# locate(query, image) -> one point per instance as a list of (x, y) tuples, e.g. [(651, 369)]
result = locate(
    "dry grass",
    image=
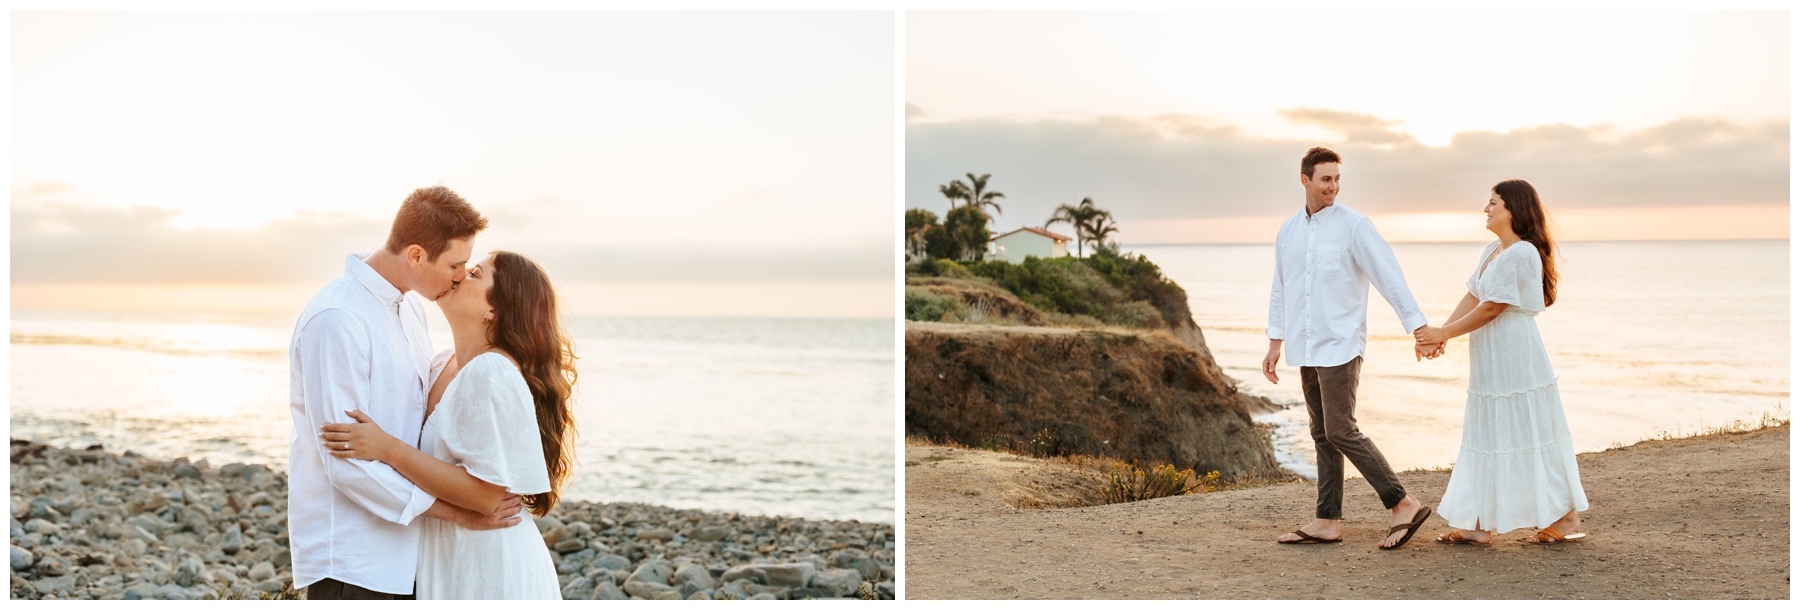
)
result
[(1768, 419), (1072, 481)]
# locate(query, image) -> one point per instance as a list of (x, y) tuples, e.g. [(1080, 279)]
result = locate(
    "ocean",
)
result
[(1646, 338), (790, 417)]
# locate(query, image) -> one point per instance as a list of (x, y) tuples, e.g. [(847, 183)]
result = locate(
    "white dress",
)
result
[(485, 422), (1516, 468)]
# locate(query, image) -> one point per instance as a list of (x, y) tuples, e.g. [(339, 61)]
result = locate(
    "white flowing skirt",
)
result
[(509, 563), (1517, 467)]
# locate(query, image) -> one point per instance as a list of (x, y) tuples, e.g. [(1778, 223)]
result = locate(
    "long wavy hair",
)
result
[(528, 328), (1532, 225)]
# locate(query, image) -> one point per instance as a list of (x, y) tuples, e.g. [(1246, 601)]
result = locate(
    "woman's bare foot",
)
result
[(1459, 536), (1569, 524)]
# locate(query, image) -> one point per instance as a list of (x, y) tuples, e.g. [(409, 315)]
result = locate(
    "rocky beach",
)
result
[(93, 524)]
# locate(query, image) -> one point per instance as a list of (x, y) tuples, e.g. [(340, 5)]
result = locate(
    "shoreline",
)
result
[(1704, 517), (89, 523), (279, 466)]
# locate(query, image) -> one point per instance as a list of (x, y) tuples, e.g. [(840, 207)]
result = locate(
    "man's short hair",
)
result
[(1315, 156), (431, 217)]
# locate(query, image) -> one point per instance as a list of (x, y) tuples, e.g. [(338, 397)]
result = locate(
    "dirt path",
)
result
[(1703, 518)]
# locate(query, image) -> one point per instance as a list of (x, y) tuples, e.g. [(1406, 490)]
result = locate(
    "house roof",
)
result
[(1042, 232)]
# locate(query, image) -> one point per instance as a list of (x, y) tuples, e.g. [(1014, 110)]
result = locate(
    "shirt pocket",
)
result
[(1331, 259)]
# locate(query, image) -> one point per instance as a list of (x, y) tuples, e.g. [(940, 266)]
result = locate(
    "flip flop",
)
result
[(1456, 537), (1549, 535), (1306, 538), (1411, 528)]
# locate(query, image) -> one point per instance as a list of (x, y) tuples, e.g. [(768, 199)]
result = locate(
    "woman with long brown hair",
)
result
[(1516, 467), (498, 424)]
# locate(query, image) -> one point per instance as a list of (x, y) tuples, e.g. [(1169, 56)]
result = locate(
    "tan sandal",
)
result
[(1456, 537), (1549, 535)]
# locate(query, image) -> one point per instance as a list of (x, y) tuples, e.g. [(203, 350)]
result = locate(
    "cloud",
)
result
[(1181, 166), (57, 238), (1356, 127)]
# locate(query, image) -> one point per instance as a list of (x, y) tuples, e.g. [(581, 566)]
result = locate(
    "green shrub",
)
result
[(1136, 314), (926, 306)]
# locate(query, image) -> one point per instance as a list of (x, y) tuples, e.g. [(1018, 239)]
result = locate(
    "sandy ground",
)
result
[(1700, 518)]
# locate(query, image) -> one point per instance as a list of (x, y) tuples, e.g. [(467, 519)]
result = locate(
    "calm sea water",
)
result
[(1645, 337), (759, 416)]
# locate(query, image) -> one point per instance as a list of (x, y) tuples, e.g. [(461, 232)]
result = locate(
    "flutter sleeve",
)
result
[(1502, 281), (494, 432)]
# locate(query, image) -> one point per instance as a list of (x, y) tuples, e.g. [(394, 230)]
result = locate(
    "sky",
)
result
[(705, 164), (1190, 126)]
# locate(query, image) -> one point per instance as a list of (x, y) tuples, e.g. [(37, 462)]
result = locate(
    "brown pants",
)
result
[(334, 589), (1331, 406)]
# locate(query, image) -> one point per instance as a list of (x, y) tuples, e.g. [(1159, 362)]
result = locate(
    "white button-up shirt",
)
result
[(360, 344), (1319, 303)]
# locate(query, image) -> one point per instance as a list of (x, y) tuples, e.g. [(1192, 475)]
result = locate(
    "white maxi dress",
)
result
[(1517, 467), (486, 423)]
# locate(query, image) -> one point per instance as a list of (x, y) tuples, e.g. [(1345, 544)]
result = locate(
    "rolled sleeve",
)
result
[(335, 370)]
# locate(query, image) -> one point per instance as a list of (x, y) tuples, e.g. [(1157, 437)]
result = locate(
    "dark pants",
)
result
[(1331, 405), (334, 589)]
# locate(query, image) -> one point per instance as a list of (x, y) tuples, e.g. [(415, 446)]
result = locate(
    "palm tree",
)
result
[(977, 195), (1077, 216), (955, 191), (1100, 227)]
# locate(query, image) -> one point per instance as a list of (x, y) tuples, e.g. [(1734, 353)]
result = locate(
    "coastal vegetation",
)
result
[(1118, 379), (1108, 288)]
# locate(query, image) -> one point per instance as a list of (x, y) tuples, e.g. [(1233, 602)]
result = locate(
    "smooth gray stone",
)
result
[(763, 597), (712, 533), (697, 575), (141, 590), (655, 533), (616, 563), (569, 546), (790, 575), (580, 588), (651, 590), (262, 571), (188, 572), (82, 516), (837, 582), (857, 560), (655, 571), (174, 591), (233, 540), (147, 523), (807, 593), (59, 587), (187, 471), (40, 526), (18, 529), (546, 524), (21, 559), (51, 566), (606, 590)]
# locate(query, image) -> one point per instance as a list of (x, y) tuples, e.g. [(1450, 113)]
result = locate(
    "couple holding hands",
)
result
[(1516, 468)]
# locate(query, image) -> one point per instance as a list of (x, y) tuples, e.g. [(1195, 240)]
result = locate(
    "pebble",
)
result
[(21, 559), (145, 529)]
